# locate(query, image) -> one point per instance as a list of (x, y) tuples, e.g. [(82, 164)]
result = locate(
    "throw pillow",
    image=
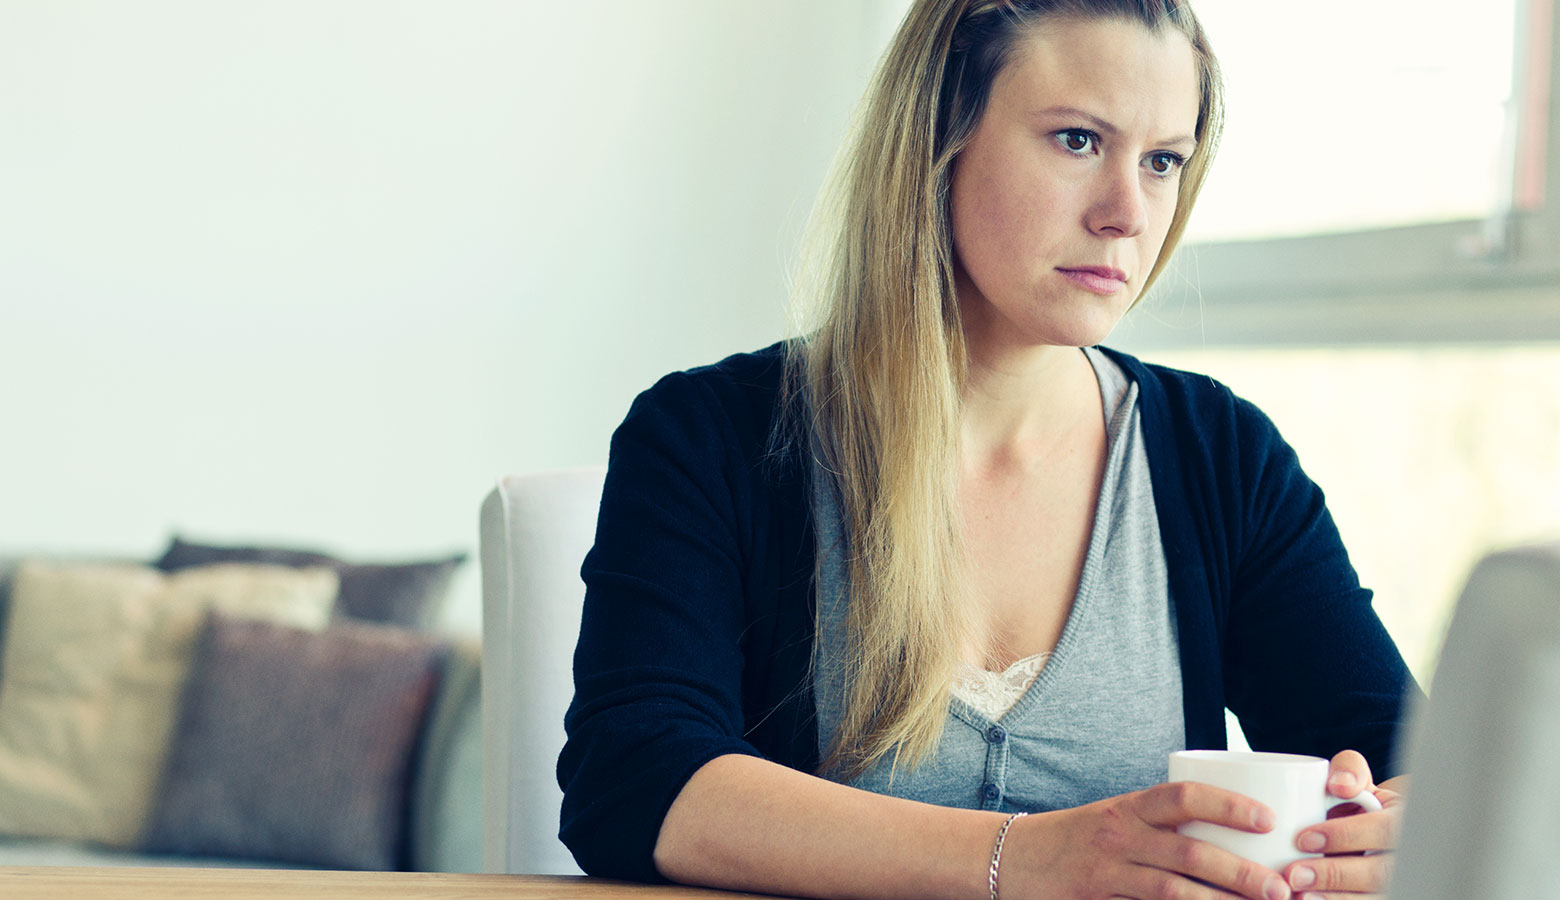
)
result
[(406, 594), (95, 660), (295, 746)]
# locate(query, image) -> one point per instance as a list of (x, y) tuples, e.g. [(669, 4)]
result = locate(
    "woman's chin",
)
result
[(1084, 333)]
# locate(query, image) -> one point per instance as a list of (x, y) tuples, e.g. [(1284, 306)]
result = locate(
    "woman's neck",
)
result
[(1022, 403)]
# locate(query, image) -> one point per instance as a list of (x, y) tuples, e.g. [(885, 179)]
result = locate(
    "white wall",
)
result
[(320, 272)]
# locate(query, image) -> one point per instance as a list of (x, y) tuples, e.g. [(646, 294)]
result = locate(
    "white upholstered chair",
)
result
[(1482, 818), (536, 530)]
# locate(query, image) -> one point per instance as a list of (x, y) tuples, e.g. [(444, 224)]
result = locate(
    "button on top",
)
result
[(995, 734), (990, 791)]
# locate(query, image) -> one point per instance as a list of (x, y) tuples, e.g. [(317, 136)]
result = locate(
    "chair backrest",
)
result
[(536, 530), (1482, 818)]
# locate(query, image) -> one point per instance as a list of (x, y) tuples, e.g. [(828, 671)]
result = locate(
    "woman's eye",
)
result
[(1165, 164), (1076, 141)]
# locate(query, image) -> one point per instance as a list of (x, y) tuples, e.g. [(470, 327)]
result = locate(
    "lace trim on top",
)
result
[(994, 693)]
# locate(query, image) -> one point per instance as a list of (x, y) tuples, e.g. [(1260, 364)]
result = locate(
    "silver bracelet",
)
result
[(996, 852)]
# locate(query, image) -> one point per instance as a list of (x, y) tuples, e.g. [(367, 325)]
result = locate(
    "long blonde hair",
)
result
[(881, 362)]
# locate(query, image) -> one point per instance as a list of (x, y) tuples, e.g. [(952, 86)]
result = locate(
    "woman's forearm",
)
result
[(743, 823)]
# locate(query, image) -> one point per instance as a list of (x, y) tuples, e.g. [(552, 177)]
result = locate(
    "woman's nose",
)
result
[(1118, 206)]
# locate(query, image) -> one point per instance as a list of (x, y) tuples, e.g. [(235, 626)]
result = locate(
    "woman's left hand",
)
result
[(1345, 873)]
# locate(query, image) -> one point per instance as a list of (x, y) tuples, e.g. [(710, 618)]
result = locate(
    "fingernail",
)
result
[(1344, 780), (1275, 889), (1262, 818), (1312, 841), (1301, 877)]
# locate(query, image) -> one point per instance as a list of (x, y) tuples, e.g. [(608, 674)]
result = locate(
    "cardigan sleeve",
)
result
[(1309, 667), (658, 667)]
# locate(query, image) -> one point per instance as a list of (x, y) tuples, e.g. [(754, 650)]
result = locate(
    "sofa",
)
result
[(237, 706)]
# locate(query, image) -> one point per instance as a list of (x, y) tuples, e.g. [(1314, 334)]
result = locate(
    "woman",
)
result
[(858, 600)]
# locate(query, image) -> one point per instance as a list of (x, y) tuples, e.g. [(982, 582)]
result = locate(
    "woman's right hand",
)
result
[(1127, 847)]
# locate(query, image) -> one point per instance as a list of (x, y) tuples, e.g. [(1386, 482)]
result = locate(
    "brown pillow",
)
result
[(406, 594), (297, 746)]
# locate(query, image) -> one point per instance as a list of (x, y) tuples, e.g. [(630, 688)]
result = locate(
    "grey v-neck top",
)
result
[(1104, 713)]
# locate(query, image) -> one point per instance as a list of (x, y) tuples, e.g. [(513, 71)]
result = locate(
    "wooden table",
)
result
[(136, 883)]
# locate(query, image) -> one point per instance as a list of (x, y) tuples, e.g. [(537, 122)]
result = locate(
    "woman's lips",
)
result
[(1100, 280)]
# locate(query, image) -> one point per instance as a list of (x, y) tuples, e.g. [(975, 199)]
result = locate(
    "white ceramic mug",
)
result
[(1293, 786)]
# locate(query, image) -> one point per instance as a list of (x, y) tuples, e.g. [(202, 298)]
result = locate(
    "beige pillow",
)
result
[(95, 661)]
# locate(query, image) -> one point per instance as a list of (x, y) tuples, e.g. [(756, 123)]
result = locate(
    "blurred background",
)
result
[(318, 273)]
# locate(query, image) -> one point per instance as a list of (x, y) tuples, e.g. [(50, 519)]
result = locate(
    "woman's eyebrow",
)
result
[(1106, 128)]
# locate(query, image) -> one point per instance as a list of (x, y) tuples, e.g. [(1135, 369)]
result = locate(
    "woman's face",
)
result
[(1061, 201)]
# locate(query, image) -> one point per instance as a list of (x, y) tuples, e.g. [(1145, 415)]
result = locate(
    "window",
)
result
[(1387, 180), (1364, 115)]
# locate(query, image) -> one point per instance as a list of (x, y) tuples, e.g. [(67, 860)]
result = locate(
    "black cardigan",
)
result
[(698, 620)]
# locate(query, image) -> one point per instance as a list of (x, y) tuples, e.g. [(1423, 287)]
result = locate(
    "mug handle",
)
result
[(1365, 799)]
